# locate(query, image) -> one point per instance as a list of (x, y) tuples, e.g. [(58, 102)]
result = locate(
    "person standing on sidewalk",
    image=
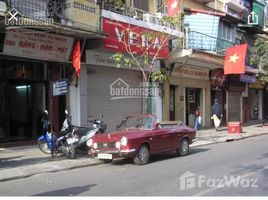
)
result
[(216, 114), (197, 123)]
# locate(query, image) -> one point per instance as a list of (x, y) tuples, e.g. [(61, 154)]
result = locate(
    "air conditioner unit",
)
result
[(149, 18), (168, 25), (3, 7), (159, 15)]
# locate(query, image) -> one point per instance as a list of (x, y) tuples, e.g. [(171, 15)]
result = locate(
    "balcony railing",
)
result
[(137, 14), (30, 8), (124, 10), (200, 41)]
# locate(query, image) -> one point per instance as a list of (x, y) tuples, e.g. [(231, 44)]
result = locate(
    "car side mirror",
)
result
[(157, 126)]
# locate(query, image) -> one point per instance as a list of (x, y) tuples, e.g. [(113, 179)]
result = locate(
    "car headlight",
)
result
[(89, 142), (95, 145), (123, 141), (117, 145)]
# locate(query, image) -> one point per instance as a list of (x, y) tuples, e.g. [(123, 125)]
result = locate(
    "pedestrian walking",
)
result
[(198, 118), (216, 114)]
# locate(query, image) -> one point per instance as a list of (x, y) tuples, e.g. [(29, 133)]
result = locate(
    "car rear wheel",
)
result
[(183, 149), (143, 155)]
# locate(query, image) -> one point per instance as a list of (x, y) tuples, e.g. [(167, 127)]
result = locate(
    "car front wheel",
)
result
[(183, 149), (142, 156)]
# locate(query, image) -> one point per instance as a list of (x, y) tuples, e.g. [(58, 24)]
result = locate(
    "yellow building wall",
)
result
[(152, 6), (181, 84)]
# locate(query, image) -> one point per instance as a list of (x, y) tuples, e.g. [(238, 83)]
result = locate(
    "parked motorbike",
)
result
[(85, 133), (49, 142)]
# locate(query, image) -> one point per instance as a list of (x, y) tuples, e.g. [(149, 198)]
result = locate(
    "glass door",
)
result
[(20, 110)]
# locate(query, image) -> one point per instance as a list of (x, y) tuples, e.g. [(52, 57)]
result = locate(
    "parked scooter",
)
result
[(85, 133), (50, 143)]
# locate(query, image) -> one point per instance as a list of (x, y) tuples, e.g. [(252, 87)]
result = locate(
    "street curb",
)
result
[(25, 171), (48, 167), (231, 140)]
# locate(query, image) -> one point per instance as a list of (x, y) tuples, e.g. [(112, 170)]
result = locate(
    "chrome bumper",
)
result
[(117, 153)]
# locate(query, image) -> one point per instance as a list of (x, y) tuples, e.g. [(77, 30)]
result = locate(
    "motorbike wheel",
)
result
[(44, 147), (70, 151)]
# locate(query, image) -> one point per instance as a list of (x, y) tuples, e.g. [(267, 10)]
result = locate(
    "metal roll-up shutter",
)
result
[(99, 94), (234, 106)]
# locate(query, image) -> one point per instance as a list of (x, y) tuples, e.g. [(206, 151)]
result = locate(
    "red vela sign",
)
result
[(120, 39)]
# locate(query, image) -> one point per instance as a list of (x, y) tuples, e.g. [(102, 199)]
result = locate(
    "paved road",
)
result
[(213, 165)]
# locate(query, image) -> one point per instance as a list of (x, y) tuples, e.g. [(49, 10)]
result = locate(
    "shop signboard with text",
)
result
[(39, 45), (191, 72), (125, 37)]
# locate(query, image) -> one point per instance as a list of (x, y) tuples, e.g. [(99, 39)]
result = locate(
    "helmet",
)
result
[(45, 112)]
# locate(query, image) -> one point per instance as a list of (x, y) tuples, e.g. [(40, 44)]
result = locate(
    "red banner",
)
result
[(217, 78), (125, 37)]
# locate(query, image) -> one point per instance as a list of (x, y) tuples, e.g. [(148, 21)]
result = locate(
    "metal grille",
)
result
[(106, 145), (30, 8)]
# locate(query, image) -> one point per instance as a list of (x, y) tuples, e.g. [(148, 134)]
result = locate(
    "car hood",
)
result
[(117, 135)]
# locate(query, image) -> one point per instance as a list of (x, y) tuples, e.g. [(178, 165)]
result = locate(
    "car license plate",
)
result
[(71, 140), (105, 156)]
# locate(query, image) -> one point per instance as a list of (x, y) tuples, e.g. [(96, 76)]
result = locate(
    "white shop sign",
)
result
[(36, 44), (105, 59)]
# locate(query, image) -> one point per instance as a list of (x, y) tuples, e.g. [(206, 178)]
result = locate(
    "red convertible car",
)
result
[(139, 137)]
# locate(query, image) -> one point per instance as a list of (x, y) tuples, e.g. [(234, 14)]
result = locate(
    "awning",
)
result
[(252, 29), (196, 58)]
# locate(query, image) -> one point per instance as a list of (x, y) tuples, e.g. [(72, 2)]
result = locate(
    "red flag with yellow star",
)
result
[(173, 7), (235, 59)]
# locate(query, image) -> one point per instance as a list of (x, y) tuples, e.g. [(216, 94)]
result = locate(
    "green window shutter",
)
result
[(258, 8)]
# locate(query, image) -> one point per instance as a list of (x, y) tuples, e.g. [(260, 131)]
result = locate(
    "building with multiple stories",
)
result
[(36, 72)]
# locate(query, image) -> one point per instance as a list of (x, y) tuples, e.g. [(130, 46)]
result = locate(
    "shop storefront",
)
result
[(23, 91), (30, 61), (111, 91), (256, 101), (187, 89), (218, 90), (234, 98)]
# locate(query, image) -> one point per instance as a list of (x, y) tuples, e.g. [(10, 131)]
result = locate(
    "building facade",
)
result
[(34, 57)]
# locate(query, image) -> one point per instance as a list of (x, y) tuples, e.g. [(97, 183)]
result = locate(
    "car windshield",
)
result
[(140, 122)]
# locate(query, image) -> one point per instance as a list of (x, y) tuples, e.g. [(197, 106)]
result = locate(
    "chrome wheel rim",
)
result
[(143, 154), (184, 146)]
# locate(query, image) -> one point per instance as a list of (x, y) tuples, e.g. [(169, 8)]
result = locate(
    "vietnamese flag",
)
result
[(173, 7), (235, 59), (76, 56)]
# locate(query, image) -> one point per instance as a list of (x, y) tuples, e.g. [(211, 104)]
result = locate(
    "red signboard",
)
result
[(124, 37), (217, 78)]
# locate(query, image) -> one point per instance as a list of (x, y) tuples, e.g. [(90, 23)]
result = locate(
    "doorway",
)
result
[(193, 101), (25, 104)]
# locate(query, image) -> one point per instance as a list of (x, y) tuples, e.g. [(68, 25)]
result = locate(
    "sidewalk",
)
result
[(26, 161)]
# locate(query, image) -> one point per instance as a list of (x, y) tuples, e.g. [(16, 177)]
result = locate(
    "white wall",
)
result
[(78, 99)]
